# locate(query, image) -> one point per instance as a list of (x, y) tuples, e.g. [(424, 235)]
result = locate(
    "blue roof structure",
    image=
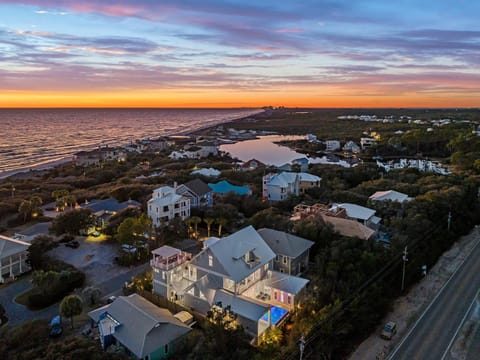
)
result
[(109, 205), (224, 187)]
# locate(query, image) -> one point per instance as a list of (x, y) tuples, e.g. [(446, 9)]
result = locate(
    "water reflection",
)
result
[(264, 149)]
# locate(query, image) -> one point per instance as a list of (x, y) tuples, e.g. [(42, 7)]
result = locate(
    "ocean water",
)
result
[(30, 138)]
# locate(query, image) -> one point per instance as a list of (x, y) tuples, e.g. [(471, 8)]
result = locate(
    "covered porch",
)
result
[(278, 289)]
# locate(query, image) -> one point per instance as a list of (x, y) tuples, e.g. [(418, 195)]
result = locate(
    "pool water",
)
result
[(277, 313)]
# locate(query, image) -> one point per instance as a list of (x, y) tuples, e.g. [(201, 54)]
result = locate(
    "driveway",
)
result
[(17, 313), (94, 257)]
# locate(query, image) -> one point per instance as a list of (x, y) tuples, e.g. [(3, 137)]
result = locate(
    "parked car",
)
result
[(56, 328), (73, 244), (389, 330), (67, 238), (55, 331), (111, 299)]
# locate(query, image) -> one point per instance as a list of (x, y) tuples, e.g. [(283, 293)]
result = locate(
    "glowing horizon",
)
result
[(226, 54)]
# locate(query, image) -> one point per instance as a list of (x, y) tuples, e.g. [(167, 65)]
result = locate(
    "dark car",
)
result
[(73, 244), (55, 331)]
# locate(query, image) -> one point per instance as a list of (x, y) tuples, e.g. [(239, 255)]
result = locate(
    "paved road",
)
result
[(431, 336), (17, 313)]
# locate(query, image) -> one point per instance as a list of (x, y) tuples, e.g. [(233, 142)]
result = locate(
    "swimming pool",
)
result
[(277, 314)]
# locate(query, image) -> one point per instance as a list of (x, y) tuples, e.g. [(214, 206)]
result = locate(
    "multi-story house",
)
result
[(292, 252), (332, 145), (199, 193), (359, 213), (166, 205), (351, 147), (278, 187), (13, 258), (235, 271), (367, 142)]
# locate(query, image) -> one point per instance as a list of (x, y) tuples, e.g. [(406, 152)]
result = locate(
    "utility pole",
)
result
[(301, 343), (449, 220), (405, 253)]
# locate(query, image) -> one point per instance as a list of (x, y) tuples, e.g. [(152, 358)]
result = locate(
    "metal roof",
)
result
[(283, 243), (9, 246), (144, 327)]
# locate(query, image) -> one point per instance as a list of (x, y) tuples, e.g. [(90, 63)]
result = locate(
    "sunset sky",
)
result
[(211, 53)]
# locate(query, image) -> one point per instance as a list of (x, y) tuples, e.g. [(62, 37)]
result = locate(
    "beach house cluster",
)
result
[(253, 272)]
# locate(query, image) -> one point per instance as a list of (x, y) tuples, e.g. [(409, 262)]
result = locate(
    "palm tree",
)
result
[(196, 220), (25, 209), (209, 221), (70, 306), (58, 194), (220, 222), (35, 201)]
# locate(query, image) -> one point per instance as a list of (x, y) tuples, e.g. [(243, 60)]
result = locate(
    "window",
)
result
[(164, 276), (165, 350), (285, 260), (289, 299), (277, 258), (165, 208), (210, 260)]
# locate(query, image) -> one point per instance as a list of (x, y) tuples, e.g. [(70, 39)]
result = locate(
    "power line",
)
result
[(384, 271)]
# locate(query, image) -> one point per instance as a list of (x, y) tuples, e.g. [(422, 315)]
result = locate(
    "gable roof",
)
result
[(355, 211), (198, 187), (283, 179), (209, 172), (224, 187), (349, 228), (253, 162), (229, 252), (167, 199), (284, 282), (283, 243), (389, 195), (110, 205), (144, 327), (246, 308), (309, 177), (37, 229), (9, 246)]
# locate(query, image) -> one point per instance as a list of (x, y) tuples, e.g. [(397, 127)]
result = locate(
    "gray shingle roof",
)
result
[(144, 327), (285, 244), (198, 187)]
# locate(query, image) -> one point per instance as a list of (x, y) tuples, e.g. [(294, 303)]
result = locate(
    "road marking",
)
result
[(461, 324), (432, 302)]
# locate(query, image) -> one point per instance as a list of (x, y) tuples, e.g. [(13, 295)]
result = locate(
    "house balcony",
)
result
[(167, 258)]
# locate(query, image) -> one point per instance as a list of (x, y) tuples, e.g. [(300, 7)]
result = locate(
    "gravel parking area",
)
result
[(94, 258)]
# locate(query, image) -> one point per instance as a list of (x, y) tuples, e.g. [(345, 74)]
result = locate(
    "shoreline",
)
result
[(48, 165)]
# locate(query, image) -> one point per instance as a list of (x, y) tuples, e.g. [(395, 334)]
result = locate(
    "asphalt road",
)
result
[(18, 313), (431, 336)]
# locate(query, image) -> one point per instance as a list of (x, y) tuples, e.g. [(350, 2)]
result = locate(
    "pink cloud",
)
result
[(291, 30)]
